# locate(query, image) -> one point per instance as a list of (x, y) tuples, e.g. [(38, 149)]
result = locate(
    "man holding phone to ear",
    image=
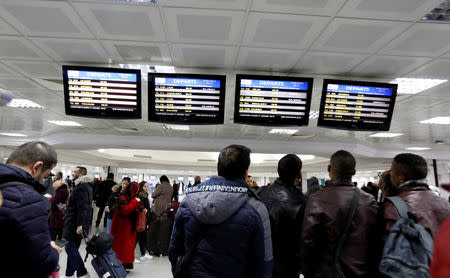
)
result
[(25, 248), (406, 179)]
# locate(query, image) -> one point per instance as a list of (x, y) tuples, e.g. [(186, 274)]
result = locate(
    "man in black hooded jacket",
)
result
[(286, 206)]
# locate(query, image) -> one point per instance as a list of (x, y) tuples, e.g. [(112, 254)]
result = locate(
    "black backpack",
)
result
[(408, 249), (99, 243)]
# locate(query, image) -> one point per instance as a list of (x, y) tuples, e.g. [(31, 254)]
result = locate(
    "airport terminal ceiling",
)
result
[(346, 39)]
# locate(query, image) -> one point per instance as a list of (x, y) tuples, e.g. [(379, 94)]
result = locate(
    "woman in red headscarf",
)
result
[(124, 225)]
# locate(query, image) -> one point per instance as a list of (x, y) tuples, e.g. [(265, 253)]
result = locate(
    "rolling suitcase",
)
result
[(105, 261)]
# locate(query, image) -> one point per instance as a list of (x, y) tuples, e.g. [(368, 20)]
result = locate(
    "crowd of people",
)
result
[(227, 225)]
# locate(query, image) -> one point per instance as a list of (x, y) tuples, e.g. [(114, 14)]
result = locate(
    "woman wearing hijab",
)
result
[(124, 225)]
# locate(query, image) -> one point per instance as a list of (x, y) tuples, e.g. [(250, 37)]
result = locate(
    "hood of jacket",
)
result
[(216, 199), (84, 179), (10, 173)]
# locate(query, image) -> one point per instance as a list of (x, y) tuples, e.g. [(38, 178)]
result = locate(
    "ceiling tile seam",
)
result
[(88, 28), (238, 44), (166, 30), (203, 8), (7, 66), (10, 25), (331, 18), (376, 19), (442, 56)]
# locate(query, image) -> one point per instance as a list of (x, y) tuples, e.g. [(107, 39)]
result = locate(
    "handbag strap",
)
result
[(351, 215)]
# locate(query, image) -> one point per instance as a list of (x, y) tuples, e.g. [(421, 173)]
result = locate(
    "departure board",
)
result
[(357, 105), (103, 92), (186, 98), (272, 100)]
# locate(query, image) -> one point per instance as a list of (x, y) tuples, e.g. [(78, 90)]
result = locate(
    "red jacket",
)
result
[(124, 230), (440, 265)]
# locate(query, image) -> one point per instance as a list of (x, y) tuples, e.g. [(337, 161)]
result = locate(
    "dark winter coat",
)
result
[(25, 249), (325, 216), (103, 192), (237, 242), (56, 214), (286, 206), (111, 203), (79, 208)]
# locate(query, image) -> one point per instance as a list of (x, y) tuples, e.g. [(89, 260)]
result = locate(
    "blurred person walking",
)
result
[(58, 206)]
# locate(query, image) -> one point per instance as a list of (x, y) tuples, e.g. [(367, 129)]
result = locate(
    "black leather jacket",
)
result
[(285, 205)]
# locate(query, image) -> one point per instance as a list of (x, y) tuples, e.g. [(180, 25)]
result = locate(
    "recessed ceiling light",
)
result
[(283, 131), (175, 127), (23, 103), (411, 86), (101, 150), (313, 114), (306, 156), (437, 121), (13, 134), (386, 135), (65, 123), (417, 149)]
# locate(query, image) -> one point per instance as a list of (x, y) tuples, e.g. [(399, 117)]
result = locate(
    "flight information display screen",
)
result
[(102, 92), (357, 105), (186, 98), (272, 100)]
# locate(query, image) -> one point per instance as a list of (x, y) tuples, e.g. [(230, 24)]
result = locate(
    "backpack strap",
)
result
[(351, 215), (400, 205)]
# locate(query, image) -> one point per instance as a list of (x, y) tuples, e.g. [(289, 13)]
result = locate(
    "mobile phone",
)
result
[(61, 243)]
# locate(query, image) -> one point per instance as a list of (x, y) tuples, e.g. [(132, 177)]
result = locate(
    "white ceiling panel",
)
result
[(357, 35), (6, 71), (263, 29), (44, 18), (19, 48), (73, 50), (421, 100), (442, 91), (36, 69), (388, 66), (314, 7), (267, 59), (143, 23), (328, 63), (203, 55), (439, 68), (388, 9), (12, 83), (422, 39), (204, 26), (209, 4), (138, 52), (6, 29)]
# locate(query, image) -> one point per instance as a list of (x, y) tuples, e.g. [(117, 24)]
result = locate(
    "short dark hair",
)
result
[(83, 170), (59, 174), (413, 166), (288, 168), (110, 176), (32, 152), (127, 179), (164, 178), (343, 164), (234, 160)]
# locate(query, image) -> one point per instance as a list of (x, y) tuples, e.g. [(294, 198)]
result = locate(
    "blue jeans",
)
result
[(108, 225), (74, 260)]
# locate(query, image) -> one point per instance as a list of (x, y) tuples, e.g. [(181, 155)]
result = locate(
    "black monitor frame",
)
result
[(271, 122), (152, 117), (106, 114), (359, 126)]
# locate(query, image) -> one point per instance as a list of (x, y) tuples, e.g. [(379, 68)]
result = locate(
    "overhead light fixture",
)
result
[(411, 86), (101, 150), (175, 127), (283, 131), (65, 123), (313, 114), (386, 135), (306, 156), (13, 134), (23, 103), (417, 149), (437, 121), (440, 13)]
